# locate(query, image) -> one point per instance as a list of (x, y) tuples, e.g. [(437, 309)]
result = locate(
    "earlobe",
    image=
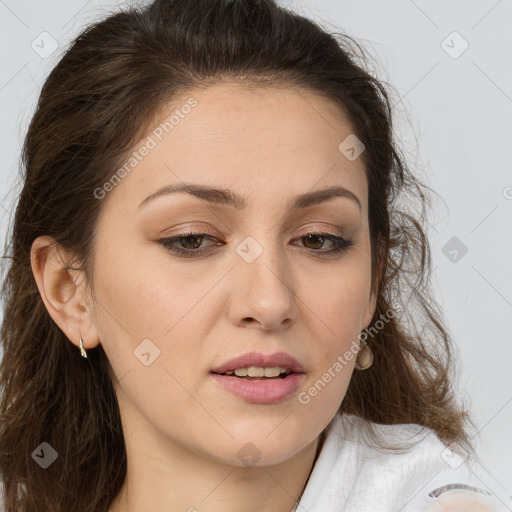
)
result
[(64, 298)]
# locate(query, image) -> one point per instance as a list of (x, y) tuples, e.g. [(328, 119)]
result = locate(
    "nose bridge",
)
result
[(263, 249), (262, 255), (264, 289)]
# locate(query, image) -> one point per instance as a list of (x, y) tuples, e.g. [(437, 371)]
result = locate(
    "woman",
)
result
[(210, 280)]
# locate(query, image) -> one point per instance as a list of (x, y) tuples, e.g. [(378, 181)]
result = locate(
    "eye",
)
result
[(188, 244), (318, 239)]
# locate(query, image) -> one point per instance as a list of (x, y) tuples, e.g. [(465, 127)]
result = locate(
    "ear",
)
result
[(63, 292)]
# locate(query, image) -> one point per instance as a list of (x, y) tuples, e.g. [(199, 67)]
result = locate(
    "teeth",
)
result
[(258, 371)]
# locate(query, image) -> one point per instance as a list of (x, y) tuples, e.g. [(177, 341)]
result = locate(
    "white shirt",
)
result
[(351, 475)]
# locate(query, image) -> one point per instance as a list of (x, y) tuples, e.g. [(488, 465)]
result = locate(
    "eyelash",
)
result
[(340, 244)]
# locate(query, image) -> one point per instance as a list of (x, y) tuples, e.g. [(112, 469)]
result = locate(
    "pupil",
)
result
[(319, 237), (188, 239)]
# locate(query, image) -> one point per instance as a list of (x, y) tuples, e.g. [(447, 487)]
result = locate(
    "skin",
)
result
[(183, 431)]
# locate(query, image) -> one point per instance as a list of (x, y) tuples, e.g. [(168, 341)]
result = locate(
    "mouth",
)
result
[(259, 385), (255, 373), (260, 378), (258, 365)]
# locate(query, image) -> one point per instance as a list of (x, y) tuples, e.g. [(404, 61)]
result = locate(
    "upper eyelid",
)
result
[(340, 222), (184, 234), (187, 231)]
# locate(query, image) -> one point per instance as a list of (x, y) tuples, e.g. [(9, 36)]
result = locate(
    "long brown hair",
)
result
[(95, 105)]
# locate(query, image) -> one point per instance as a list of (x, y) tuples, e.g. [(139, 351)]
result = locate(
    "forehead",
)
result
[(264, 141)]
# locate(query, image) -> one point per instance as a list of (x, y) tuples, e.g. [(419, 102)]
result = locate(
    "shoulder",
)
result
[(409, 468)]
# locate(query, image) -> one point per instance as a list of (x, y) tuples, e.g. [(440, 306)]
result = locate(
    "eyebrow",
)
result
[(229, 198)]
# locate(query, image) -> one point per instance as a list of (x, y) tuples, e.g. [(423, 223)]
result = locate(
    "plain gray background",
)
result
[(454, 107)]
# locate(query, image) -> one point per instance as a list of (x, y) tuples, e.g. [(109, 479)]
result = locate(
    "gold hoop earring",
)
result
[(364, 357), (82, 349)]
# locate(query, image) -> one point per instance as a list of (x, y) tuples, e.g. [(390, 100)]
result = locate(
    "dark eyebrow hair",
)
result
[(229, 198)]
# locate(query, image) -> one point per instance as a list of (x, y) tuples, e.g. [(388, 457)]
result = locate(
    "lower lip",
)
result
[(269, 391)]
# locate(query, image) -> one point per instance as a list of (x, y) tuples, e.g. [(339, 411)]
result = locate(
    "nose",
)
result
[(263, 293)]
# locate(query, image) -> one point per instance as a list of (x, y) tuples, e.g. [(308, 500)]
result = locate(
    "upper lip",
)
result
[(281, 359)]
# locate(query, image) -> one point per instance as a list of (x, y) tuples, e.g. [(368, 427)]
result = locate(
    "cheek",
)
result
[(337, 304), (146, 324), (334, 313), (144, 297), (154, 313)]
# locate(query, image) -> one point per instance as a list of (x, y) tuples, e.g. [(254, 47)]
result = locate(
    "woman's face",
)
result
[(255, 283)]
